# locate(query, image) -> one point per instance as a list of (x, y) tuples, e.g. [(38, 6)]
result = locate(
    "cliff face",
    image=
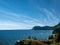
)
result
[(42, 28)]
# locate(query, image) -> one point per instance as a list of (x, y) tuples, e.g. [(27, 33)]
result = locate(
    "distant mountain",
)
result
[(42, 28), (46, 27)]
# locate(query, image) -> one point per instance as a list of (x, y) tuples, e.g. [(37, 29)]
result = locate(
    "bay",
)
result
[(9, 37)]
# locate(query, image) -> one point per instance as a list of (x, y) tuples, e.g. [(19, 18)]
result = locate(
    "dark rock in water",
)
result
[(42, 28)]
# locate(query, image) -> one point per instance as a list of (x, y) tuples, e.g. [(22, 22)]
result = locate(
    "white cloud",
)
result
[(7, 25), (32, 19), (33, 23), (12, 25), (27, 22)]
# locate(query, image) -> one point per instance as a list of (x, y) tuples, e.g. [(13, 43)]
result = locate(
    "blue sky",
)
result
[(24, 14)]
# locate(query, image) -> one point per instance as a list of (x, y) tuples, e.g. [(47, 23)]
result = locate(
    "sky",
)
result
[(25, 14)]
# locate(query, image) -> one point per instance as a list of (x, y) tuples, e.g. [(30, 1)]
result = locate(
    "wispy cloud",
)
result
[(51, 16), (10, 13), (13, 25), (33, 21), (48, 11), (14, 22)]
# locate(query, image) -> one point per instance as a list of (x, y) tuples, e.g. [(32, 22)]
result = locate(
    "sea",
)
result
[(9, 37)]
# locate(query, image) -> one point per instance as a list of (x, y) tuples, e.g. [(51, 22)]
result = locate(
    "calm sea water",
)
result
[(9, 37)]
